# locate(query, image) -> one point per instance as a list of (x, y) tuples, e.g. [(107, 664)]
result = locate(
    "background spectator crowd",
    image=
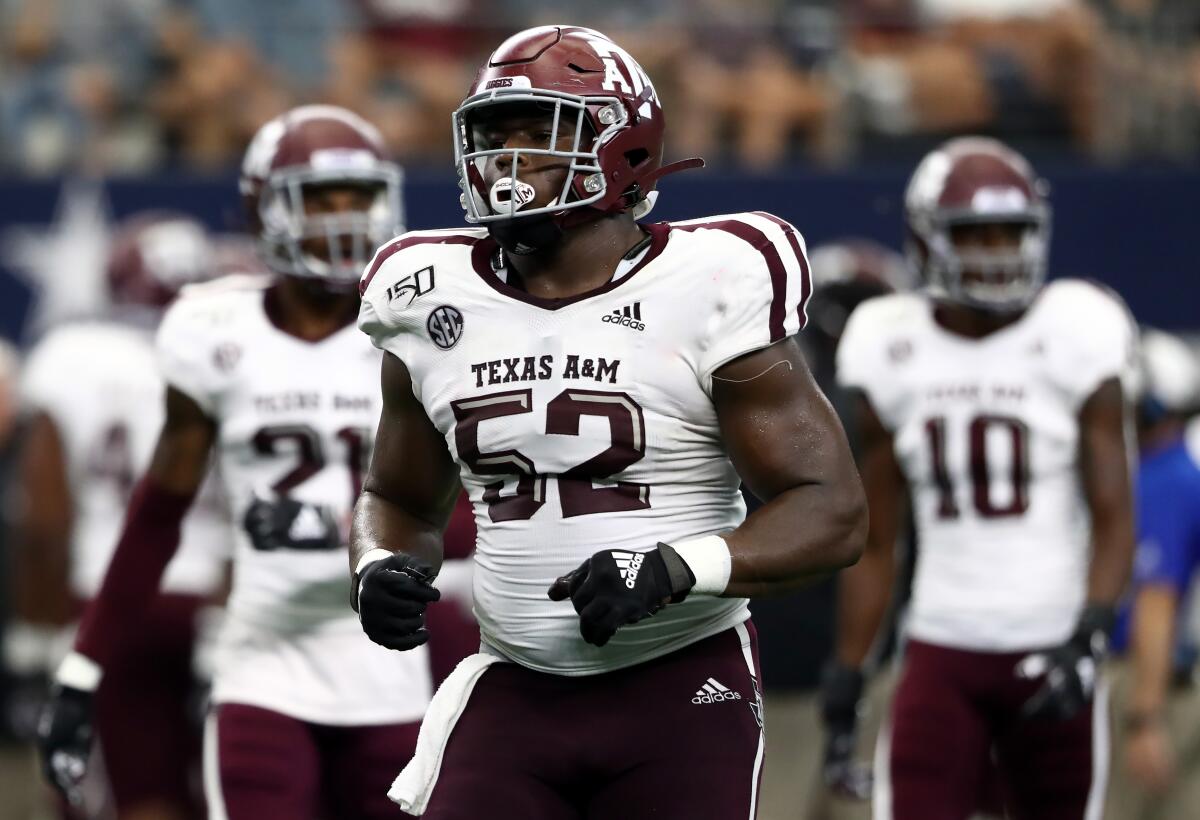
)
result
[(133, 86)]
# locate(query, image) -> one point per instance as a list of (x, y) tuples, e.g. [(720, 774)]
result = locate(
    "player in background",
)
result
[(1157, 704), (270, 376), (996, 402), (22, 690), (93, 397), (597, 385), (844, 273)]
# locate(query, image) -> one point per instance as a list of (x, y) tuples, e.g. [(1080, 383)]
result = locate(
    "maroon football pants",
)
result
[(677, 737), (954, 712), (151, 744), (263, 765)]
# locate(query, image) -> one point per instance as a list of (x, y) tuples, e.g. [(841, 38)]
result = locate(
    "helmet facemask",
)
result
[(350, 237), (587, 123), (997, 280)]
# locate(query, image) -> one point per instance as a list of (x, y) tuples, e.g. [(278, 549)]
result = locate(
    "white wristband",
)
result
[(79, 672), (370, 557), (709, 560)]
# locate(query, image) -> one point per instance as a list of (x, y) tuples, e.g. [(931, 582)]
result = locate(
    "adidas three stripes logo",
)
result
[(629, 316), (714, 692)]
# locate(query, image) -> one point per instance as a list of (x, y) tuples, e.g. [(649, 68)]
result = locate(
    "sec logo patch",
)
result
[(445, 326)]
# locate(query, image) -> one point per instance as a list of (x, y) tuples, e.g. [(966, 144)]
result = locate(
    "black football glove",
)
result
[(614, 588), (841, 691), (288, 524), (390, 596), (22, 698), (1069, 670), (65, 739)]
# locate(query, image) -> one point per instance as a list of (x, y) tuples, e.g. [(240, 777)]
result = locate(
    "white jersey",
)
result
[(99, 384), (296, 420), (586, 423), (987, 434)]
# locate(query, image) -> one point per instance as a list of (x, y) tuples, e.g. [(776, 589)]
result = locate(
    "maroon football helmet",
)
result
[(153, 255), (974, 180), (318, 145), (597, 94)]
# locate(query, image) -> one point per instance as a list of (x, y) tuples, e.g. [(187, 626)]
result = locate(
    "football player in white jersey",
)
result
[(310, 718), (996, 402), (598, 386), (93, 394)]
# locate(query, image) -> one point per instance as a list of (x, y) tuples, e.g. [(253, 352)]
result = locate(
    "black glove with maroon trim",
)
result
[(841, 691), (390, 596), (614, 588), (1069, 671)]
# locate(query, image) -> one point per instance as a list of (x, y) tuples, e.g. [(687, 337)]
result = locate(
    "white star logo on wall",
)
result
[(64, 261)]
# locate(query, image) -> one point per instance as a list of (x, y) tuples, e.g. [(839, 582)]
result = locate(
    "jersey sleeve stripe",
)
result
[(408, 241), (759, 241), (802, 258)]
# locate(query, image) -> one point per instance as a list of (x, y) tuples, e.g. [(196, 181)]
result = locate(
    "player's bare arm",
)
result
[(864, 596), (408, 495), (864, 590), (184, 446), (43, 528), (1104, 440), (148, 541), (790, 450), (1105, 468), (412, 483), (1148, 752), (40, 560), (786, 443)]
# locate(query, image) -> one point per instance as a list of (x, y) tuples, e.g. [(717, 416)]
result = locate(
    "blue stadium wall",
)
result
[(1137, 231)]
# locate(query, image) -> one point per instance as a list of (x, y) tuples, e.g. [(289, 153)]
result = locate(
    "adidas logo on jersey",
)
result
[(629, 316), (713, 692), (629, 564)]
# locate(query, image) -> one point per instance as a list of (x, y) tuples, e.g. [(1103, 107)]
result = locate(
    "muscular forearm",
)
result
[(383, 524), (1107, 486), (800, 535), (865, 590), (42, 529), (864, 593), (41, 592), (1152, 639), (1112, 556)]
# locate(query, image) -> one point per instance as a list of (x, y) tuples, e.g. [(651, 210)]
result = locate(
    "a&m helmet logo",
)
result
[(445, 326)]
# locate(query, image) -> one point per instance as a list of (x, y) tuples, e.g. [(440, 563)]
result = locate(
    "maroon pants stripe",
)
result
[(956, 715), (262, 765), (678, 736)]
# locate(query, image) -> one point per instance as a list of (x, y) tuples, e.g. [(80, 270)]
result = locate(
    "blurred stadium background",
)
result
[(813, 109)]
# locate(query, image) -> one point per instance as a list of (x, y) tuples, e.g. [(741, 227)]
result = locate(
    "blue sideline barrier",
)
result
[(1132, 230)]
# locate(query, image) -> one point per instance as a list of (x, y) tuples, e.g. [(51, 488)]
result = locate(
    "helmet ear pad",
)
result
[(627, 162)]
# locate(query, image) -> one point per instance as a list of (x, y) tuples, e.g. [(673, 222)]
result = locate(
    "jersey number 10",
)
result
[(1007, 427)]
